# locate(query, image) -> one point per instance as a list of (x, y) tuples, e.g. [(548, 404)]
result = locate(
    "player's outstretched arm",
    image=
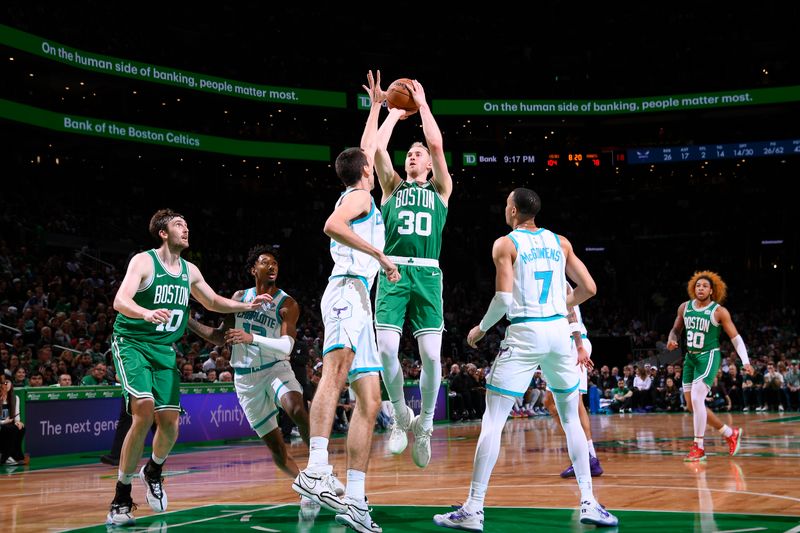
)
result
[(433, 138), (213, 301), (387, 176)]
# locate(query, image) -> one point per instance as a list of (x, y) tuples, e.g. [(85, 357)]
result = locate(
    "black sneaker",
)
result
[(156, 496)]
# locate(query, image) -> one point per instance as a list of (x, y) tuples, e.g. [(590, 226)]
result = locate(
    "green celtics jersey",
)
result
[(702, 329), (414, 216), (165, 291)]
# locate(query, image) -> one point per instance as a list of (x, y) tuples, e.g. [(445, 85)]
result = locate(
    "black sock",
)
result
[(123, 493), (152, 469)]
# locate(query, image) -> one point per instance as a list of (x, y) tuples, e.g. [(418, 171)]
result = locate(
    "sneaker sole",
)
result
[(700, 460), (738, 442), (110, 522), (315, 498), (161, 505), (454, 526), (599, 522), (345, 520)]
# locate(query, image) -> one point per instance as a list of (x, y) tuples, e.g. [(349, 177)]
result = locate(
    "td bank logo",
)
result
[(470, 160)]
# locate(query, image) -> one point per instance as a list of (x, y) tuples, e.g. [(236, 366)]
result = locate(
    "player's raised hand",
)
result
[(418, 92), (373, 87), (157, 316)]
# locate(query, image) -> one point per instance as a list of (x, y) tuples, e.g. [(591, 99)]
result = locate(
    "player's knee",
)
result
[(142, 421)]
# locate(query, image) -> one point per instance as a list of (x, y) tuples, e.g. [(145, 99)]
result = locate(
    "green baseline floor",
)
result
[(284, 518)]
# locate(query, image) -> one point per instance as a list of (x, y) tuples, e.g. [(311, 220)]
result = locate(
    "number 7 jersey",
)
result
[(540, 283), (414, 216)]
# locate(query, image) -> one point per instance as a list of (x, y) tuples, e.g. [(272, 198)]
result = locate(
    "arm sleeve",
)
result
[(738, 343), (497, 310), (281, 347)]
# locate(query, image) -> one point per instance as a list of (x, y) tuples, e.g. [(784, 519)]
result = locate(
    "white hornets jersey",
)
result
[(540, 283), (350, 262), (265, 321)]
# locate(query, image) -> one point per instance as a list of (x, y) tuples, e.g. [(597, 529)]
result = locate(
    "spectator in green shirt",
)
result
[(622, 396), (96, 376)]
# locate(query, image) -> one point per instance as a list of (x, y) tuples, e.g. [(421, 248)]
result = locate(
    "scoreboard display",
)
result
[(708, 152)]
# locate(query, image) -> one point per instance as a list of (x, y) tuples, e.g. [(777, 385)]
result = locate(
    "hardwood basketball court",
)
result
[(646, 483)]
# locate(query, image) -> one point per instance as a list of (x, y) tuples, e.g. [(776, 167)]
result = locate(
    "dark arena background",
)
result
[(662, 140)]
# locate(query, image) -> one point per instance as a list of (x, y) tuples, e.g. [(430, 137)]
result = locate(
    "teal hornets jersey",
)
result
[(165, 291), (702, 329), (414, 216), (266, 322)]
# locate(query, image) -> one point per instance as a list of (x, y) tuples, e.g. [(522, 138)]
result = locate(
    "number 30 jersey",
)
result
[(540, 283), (414, 216), (702, 329), (265, 321)]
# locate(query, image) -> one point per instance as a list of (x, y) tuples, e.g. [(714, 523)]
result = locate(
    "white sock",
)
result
[(125, 479), (494, 419), (158, 460), (700, 415), (725, 431), (592, 453), (477, 493), (355, 485), (392, 373), (318, 452), (567, 406), (430, 351)]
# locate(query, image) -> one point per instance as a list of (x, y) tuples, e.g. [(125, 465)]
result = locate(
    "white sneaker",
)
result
[(780, 408), (398, 440), (421, 451), (356, 516), (460, 519), (13, 462), (319, 485), (594, 513), (121, 514), (156, 496), (746, 409)]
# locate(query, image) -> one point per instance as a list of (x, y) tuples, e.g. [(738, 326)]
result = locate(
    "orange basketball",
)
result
[(399, 95)]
